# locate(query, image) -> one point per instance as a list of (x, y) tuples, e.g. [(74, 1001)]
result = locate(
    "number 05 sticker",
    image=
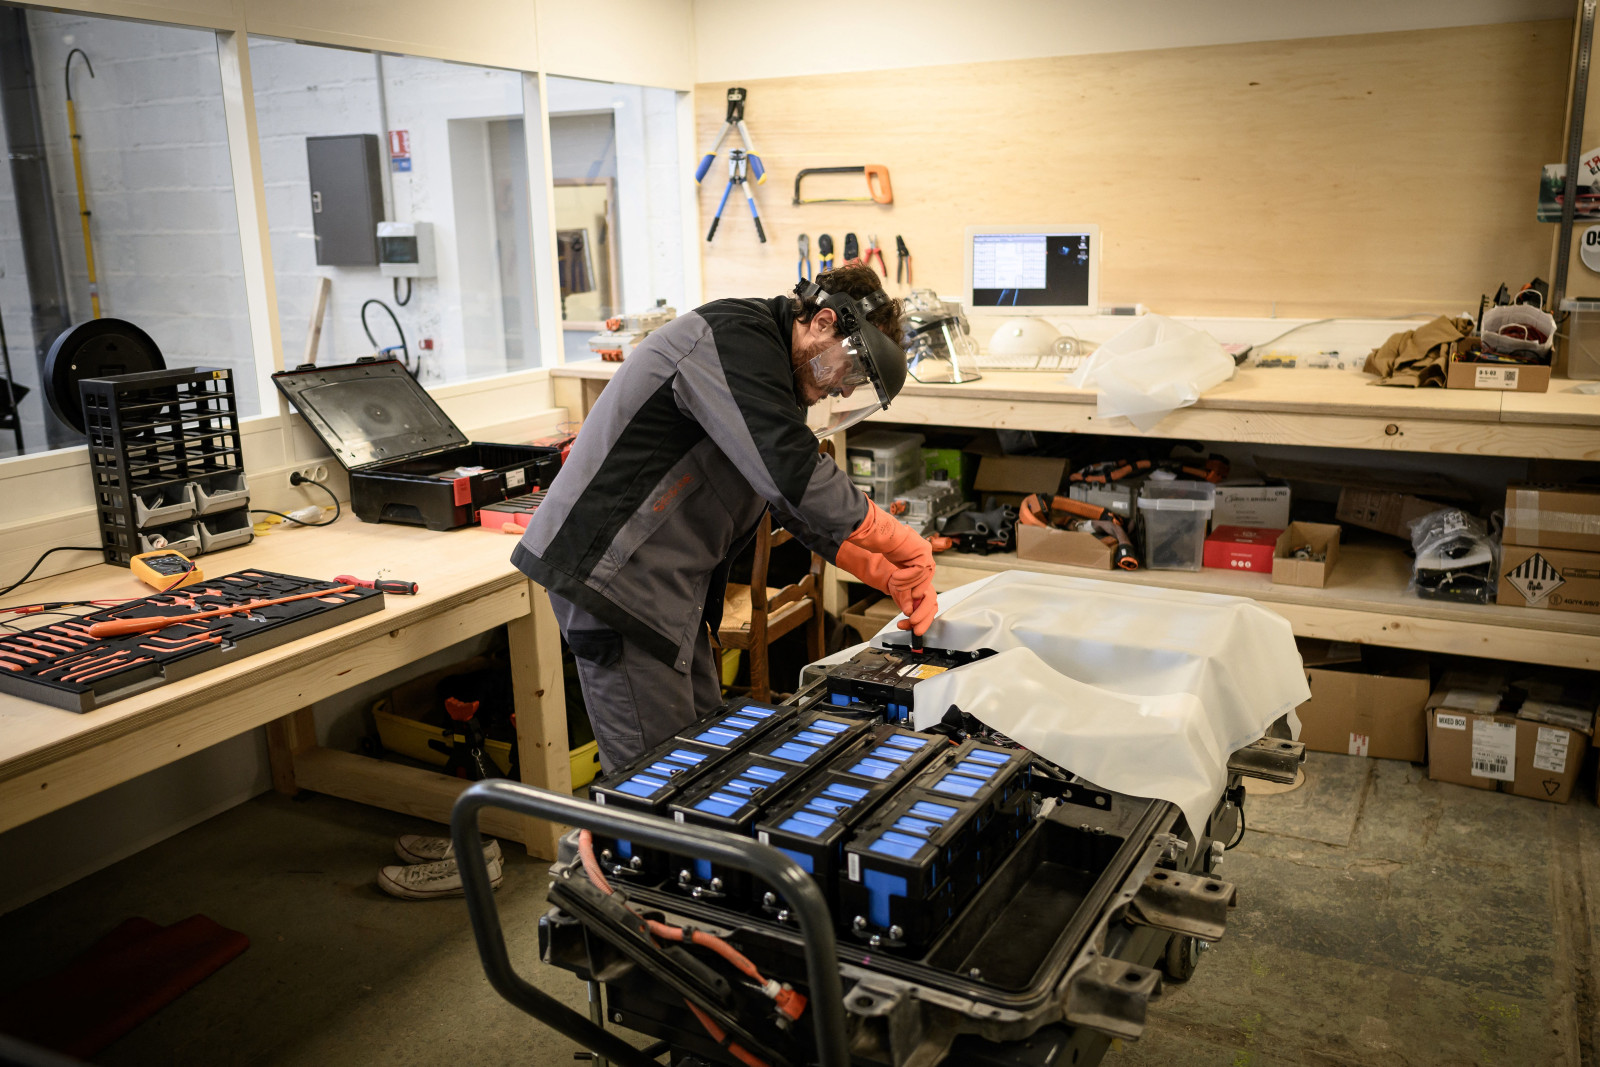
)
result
[(1589, 248)]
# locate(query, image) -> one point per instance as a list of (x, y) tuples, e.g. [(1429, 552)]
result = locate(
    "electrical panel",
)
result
[(405, 249), (346, 198)]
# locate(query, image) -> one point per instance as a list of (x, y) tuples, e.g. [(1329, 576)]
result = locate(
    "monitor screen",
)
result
[(1034, 270)]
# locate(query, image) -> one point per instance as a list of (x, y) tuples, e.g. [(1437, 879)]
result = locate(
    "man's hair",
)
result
[(859, 280)]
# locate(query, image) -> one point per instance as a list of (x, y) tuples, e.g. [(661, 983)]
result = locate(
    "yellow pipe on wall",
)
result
[(77, 167)]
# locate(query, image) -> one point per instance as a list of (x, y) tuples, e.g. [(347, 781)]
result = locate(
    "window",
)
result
[(350, 140), (157, 178), (618, 188)]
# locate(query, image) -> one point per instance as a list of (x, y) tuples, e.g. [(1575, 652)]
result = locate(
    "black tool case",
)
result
[(396, 442)]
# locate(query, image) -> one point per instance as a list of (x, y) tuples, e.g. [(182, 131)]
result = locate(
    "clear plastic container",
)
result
[(1174, 517), (880, 455), (884, 490), (1583, 338)]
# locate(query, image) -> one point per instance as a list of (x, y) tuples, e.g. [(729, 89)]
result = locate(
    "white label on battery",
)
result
[(761, 835), (1550, 754), (1495, 378), (1451, 722), (1494, 750), (516, 479), (677, 816), (853, 861), (1358, 744), (599, 798)]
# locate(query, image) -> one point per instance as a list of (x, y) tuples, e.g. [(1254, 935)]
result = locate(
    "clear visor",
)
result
[(943, 353), (845, 390)]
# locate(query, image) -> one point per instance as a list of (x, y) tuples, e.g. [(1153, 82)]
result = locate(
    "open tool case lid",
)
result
[(369, 412)]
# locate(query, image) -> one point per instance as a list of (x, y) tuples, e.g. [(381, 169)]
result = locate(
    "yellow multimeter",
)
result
[(164, 569)]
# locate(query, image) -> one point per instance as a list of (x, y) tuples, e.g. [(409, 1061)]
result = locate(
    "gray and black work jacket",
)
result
[(699, 431)]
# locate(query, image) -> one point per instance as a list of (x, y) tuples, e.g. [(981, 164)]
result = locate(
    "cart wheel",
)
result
[(1183, 954)]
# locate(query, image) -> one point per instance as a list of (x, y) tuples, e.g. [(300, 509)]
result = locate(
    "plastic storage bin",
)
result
[(183, 537), (226, 530), (1583, 338), (219, 492), (884, 490), (1174, 517), (882, 455), (168, 503)]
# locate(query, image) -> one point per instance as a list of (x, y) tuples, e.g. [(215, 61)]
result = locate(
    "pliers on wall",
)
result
[(874, 250), (852, 250), (902, 260), (803, 268), (825, 252), (737, 175)]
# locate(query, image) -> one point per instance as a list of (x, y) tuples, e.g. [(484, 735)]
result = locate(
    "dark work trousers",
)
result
[(635, 701)]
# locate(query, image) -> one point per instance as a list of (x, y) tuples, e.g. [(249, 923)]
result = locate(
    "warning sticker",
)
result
[(1494, 750), (1550, 754), (1535, 579), (1359, 743), (517, 478), (1451, 722), (921, 670)]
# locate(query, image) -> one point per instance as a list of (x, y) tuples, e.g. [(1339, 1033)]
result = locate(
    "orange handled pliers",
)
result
[(874, 250)]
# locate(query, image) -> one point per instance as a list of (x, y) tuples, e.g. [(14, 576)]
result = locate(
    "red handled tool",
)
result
[(382, 585), (123, 627), (874, 252)]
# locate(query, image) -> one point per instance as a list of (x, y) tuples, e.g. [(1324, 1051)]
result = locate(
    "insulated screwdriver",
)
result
[(122, 627), (382, 585)]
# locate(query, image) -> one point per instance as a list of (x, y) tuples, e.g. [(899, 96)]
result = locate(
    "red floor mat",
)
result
[(123, 979)]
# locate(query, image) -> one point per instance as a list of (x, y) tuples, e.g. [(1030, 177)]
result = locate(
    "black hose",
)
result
[(405, 350), (399, 302)]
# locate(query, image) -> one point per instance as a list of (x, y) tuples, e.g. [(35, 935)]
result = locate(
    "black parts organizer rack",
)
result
[(164, 453)]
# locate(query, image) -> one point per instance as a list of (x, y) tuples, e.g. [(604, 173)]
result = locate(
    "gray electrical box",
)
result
[(346, 198)]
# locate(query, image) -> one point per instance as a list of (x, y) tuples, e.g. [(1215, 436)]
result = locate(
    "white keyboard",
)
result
[(1051, 362)]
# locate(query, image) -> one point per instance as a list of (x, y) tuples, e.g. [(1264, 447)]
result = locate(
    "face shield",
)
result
[(939, 346), (859, 373)]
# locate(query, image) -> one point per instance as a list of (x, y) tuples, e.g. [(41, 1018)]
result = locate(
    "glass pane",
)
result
[(619, 236), (158, 185), (355, 144)]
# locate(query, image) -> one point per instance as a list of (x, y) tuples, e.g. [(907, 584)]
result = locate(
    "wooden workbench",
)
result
[(50, 758), (1366, 599)]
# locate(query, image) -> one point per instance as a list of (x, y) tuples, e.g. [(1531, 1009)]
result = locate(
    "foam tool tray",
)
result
[(64, 665)]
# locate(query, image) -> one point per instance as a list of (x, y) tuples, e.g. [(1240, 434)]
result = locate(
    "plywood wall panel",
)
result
[(1359, 175)]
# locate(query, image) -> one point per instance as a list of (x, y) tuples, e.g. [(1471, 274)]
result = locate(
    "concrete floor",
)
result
[(1383, 919)]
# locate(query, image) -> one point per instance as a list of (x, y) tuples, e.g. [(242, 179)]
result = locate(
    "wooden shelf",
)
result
[(1365, 601)]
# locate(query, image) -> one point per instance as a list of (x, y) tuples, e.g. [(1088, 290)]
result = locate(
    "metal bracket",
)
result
[(1112, 996), (1184, 904), (1271, 758)]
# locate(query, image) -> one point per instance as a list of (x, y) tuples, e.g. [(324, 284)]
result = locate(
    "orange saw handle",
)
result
[(878, 183), (123, 627)]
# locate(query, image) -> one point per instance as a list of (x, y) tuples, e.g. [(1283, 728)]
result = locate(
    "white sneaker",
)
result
[(417, 848), (431, 881)]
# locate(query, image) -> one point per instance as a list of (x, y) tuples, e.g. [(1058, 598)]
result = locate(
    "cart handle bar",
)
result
[(766, 863)]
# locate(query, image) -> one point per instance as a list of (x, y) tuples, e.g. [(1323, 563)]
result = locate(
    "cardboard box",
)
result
[(1241, 548), (1549, 578), (1254, 504), (1420, 482), (1552, 516), (1371, 707), (1547, 761), (1072, 547), (869, 615), (1503, 377), (1020, 474), (1382, 510), (1470, 749), (1321, 538)]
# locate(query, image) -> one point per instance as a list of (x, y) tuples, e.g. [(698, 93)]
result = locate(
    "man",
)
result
[(700, 431)]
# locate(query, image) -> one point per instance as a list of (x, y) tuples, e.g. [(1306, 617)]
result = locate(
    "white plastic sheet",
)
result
[(1151, 369), (1139, 689)]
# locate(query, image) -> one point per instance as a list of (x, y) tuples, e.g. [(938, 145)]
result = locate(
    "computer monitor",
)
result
[(1033, 270)]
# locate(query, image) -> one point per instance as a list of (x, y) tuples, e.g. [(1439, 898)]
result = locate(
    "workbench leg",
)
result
[(541, 701), (287, 737)]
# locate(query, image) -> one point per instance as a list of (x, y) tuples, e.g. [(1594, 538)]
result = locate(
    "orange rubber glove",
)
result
[(911, 582), (903, 584)]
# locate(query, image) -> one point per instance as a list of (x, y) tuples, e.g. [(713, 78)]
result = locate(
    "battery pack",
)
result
[(884, 677), (917, 862), (738, 727), (811, 740), (648, 785), (731, 797)]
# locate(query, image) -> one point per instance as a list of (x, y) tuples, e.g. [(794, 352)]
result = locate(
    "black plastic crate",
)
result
[(738, 727), (812, 739), (886, 676), (161, 444), (648, 784)]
